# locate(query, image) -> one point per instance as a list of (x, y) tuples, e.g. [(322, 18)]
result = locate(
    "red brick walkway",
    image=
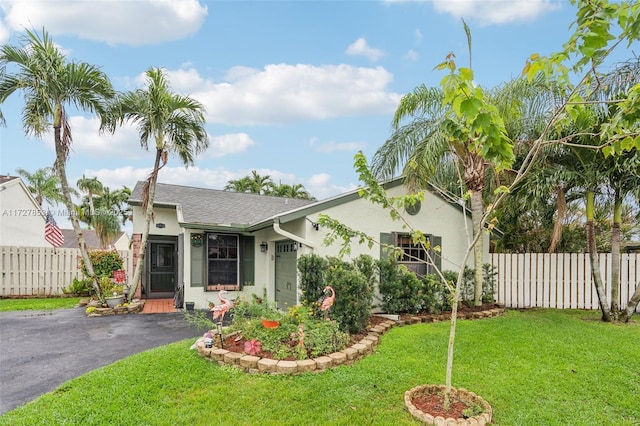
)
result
[(158, 306)]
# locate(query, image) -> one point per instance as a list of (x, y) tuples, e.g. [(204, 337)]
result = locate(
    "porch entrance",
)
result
[(286, 274), (162, 261)]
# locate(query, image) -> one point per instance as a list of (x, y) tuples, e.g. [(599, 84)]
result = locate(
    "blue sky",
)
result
[(293, 89)]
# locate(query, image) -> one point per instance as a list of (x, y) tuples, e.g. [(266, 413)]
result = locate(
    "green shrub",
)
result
[(488, 285), (311, 270), (352, 282), (79, 286), (352, 306), (399, 288), (104, 262)]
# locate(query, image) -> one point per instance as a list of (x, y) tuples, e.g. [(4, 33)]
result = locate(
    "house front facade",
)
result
[(202, 241)]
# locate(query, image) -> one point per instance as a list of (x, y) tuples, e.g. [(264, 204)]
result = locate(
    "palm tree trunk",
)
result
[(61, 160), (151, 188), (593, 256), (615, 256), (477, 211)]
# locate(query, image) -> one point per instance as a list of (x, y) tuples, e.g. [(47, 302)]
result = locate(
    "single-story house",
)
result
[(21, 218), (206, 240)]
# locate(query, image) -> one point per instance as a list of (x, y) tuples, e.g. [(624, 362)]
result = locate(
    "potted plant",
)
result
[(270, 315), (112, 292)]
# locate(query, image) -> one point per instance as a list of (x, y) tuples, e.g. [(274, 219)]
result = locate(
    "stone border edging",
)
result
[(134, 307), (254, 364), (481, 419)]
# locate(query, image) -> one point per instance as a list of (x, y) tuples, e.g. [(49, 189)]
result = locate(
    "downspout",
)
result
[(278, 230)]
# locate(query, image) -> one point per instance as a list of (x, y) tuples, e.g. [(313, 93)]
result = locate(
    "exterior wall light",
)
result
[(264, 246)]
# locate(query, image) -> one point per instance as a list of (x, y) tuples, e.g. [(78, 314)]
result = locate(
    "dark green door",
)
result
[(162, 271), (286, 274)]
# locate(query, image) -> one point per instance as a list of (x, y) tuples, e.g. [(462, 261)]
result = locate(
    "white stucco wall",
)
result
[(436, 217), (21, 219)]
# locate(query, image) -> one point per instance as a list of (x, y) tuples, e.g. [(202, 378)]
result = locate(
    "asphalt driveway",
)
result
[(40, 350)]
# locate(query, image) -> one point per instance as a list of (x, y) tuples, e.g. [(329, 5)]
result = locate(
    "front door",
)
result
[(286, 274), (162, 269)]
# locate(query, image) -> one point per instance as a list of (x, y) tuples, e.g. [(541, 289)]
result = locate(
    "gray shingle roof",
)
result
[(217, 207)]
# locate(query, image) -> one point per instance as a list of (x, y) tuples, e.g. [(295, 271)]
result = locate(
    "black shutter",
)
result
[(247, 268)]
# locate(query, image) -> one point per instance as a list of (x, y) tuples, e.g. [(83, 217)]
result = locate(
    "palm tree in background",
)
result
[(43, 184), (172, 123), (50, 84), (90, 186), (296, 190)]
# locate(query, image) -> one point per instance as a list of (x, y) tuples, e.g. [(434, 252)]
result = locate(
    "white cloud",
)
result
[(418, 34), (412, 55), (489, 12), (286, 93), (331, 146), (134, 23), (4, 33), (320, 186), (361, 48), (232, 143)]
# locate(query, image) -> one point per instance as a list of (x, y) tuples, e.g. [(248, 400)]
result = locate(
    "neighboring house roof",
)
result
[(212, 207), (5, 179), (90, 238), (216, 207)]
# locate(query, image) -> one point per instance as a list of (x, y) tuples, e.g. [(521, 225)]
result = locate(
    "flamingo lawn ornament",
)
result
[(328, 301), (222, 308)]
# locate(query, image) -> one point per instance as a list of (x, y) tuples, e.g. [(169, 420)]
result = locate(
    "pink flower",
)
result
[(252, 347)]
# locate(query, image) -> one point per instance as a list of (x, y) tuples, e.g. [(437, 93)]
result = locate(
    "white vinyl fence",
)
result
[(42, 271), (563, 281)]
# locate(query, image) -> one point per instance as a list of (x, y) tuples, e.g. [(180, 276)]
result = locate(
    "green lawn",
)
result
[(43, 304), (536, 367)]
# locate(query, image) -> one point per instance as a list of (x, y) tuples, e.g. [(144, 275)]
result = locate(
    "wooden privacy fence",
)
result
[(564, 281), (30, 271)]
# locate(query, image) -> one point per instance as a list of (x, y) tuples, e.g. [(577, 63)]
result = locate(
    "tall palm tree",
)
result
[(49, 84), (43, 184), (172, 123), (90, 186)]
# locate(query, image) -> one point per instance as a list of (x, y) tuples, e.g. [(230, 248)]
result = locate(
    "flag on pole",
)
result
[(52, 233)]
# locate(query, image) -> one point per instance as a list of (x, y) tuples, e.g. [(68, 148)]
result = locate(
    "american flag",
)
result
[(51, 231)]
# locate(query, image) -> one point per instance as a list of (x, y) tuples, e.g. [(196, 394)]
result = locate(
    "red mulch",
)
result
[(462, 309), (433, 403)]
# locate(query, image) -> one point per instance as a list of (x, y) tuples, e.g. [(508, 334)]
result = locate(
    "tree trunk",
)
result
[(595, 263), (151, 192), (615, 256), (61, 160), (477, 211), (452, 338), (633, 303)]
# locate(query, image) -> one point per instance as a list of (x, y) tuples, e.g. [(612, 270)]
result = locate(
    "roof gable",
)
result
[(11, 182)]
